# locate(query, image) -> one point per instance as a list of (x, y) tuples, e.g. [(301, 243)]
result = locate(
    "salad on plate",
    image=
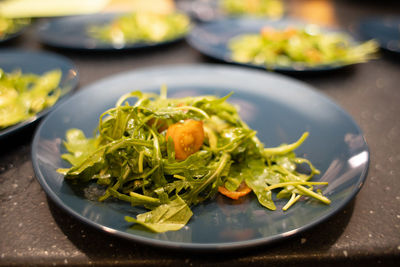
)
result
[(23, 95), (141, 27), (168, 154), (307, 46)]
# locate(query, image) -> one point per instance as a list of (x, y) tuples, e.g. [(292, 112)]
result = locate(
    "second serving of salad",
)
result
[(9, 26), (141, 27), (23, 95), (307, 46)]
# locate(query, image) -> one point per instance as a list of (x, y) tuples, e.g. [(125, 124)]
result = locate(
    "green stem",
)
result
[(156, 161), (282, 150), (146, 199), (293, 199), (235, 143), (114, 145), (202, 112), (274, 186), (313, 194), (107, 193), (222, 163), (306, 161), (140, 161)]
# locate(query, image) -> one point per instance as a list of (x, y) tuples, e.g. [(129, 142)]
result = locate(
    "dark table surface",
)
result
[(34, 231)]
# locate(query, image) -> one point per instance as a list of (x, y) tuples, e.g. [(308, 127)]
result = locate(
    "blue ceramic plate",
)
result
[(38, 63), (385, 30), (71, 33), (279, 108), (212, 39)]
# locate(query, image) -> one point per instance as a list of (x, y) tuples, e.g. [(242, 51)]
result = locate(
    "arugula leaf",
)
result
[(258, 178), (166, 217), (79, 146)]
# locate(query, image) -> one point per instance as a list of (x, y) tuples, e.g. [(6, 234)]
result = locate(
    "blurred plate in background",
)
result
[(38, 63), (72, 33), (384, 30)]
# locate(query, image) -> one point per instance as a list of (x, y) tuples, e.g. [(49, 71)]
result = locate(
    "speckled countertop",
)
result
[(34, 231)]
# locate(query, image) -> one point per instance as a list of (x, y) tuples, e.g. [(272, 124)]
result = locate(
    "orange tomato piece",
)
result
[(314, 55), (188, 137), (269, 33), (241, 191), (289, 32)]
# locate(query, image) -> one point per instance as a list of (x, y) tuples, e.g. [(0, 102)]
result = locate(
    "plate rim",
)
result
[(206, 247), (378, 20)]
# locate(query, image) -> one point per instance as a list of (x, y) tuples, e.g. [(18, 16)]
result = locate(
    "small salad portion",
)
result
[(23, 95), (260, 8), (168, 154), (9, 26), (141, 27), (307, 46)]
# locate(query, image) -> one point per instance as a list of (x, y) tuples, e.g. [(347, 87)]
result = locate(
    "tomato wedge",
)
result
[(188, 137), (241, 191)]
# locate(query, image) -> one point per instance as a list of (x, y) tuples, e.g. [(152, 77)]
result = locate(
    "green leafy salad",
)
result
[(141, 27), (168, 154), (268, 8), (23, 95), (307, 46), (9, 26)]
